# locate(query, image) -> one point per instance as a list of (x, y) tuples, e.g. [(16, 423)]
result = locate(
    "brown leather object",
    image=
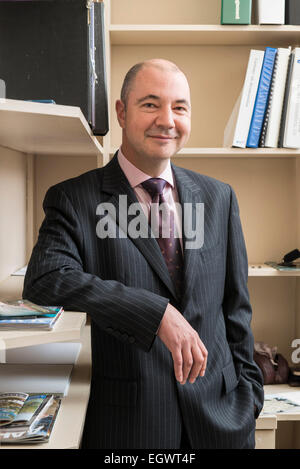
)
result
[(273, 374)]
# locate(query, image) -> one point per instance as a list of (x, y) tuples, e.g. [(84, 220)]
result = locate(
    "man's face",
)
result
[(156, 121)]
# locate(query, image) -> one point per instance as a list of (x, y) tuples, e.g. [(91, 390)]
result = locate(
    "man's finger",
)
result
[(178, 361), (197, 364), (188, 361)]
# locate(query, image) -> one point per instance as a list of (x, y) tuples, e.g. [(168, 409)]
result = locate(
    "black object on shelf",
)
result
[(294, 376), (290, 257), (54, 49), (292, 12)]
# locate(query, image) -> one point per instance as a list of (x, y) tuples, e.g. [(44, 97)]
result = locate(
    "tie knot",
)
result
[(154, 186)]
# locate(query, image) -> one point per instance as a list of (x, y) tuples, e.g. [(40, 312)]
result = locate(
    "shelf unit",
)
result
[(39, 145), (214, 58)]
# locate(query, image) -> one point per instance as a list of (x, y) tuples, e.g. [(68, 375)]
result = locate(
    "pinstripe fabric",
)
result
[(124, 285)]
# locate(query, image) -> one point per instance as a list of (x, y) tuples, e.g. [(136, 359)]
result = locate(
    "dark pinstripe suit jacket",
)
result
[(124, 285)]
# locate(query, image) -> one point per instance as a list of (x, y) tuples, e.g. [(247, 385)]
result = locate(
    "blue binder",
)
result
[(261, 99)]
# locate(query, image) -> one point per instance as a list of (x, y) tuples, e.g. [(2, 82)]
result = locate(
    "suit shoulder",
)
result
[(76, 183), (207, 182)]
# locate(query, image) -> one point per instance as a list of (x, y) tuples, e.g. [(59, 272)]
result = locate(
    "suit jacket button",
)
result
[(125, 336), (131, 339), (109, 329)]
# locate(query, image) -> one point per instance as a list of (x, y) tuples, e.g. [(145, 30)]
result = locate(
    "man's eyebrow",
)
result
[(153, 96), (149, 96)]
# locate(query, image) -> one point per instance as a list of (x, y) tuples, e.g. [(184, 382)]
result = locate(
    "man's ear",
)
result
[(120, 110)]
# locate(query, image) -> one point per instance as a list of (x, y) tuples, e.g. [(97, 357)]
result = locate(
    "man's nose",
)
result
[(165, 118)]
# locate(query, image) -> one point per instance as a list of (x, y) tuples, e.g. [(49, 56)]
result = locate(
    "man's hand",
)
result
[(188, 351)]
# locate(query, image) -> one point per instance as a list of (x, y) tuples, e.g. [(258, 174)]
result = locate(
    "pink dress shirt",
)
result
[(135, 177)]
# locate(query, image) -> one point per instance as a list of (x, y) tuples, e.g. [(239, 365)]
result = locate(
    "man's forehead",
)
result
[(157, 81), (161, 71)]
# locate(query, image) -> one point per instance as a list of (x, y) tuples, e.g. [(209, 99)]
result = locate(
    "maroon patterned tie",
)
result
[(170, 245)]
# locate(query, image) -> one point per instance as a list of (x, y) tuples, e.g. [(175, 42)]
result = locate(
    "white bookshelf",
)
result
[(196, 34), (39, 128), (266, 181)]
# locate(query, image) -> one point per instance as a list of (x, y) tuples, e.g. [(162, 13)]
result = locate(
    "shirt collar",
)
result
[(135, 176)]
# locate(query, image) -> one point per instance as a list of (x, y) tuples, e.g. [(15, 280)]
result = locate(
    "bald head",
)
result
[(161, 64)]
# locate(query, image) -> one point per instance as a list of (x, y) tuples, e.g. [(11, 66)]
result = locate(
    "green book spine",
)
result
[(236, 11)]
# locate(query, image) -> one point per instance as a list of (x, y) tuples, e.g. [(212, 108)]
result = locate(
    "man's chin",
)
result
[(163, 152)]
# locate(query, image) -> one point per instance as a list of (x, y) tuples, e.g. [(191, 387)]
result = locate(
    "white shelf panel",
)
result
[(220, 152), (263, 270), (238, 153), (132, 34), (67, 328), (38, 128)]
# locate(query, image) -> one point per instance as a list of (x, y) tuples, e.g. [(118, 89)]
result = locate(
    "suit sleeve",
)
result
[(56, 276), (236, 306)]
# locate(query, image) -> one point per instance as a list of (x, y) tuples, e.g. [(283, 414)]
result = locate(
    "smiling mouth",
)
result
[(162, 137)]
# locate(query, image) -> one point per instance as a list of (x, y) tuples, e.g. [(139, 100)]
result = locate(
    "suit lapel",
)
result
[(189, 193), (116, 183)]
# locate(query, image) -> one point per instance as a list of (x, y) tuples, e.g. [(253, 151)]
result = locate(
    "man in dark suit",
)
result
[(172, 347)]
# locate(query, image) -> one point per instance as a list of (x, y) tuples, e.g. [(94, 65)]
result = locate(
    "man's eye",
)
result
[(149, 105), (181, 109)]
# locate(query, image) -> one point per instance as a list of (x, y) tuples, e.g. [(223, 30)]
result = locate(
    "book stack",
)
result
[(22, 314), (27, 418), (267, 112)]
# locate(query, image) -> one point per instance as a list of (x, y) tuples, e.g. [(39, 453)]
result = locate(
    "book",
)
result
[(36, 378), (39, 432), (236, 11), (291, 132), (47, 322), (19, 411), (285, 100), (292, 12), (261, 99), (270, 11), (271, 125), (237, 128)]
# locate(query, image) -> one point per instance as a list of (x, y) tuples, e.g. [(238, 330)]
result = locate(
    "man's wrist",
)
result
[(161, 320)]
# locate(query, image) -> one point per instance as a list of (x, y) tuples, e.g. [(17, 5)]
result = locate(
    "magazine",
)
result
[(284, 268), (24, 308), (20, 410), (39, 432), (22, 314), (281, 403)]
